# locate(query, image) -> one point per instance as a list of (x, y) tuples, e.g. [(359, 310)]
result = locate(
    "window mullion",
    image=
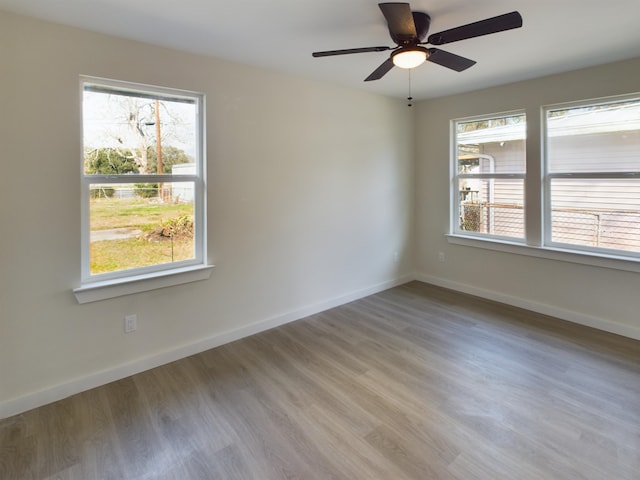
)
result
[(492, 175), (595, 175)]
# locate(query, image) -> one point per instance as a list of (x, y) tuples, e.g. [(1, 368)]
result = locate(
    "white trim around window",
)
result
[(182, 142)]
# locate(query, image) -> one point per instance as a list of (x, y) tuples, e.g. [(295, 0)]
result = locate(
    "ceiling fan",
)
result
[(409, 29)]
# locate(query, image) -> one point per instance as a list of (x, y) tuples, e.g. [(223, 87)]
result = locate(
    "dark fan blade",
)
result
[(477, 29), (422, 21), (400, 21), (347, 51), (381, 71), (449, 60)]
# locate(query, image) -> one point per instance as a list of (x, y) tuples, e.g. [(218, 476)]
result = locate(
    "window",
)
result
[(489, 172), (593, 176), (582, 204), (143, 181)]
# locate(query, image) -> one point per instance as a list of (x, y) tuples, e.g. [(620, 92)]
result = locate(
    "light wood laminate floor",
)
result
[(416, 382)]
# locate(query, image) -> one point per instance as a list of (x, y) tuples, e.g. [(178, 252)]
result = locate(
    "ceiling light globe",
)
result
[(409, 58)]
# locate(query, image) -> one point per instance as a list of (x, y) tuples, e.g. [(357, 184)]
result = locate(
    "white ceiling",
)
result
[(558, 35)]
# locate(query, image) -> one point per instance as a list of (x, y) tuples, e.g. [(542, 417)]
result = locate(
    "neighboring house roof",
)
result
[(578, 122)]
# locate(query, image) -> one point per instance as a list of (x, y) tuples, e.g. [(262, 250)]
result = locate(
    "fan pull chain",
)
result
[(409, 98)]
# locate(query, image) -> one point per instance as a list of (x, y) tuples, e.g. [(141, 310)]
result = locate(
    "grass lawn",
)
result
[(144, 214), (142, 250)]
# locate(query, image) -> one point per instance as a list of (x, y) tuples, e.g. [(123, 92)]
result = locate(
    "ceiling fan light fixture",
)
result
[(410, 57)]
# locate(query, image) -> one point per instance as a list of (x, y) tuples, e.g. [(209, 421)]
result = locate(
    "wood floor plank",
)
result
[(100, 456), (416, 382)]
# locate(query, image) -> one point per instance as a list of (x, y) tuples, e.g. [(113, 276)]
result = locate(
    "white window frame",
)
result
[(124, 282), (600, 175), (455, 177), (537, 231)]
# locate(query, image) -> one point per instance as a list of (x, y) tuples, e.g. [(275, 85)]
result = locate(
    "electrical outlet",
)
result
[(130, 323), (441, 256)]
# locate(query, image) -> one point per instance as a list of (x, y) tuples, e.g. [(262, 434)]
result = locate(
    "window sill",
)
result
[(93, 292), (559, 254)]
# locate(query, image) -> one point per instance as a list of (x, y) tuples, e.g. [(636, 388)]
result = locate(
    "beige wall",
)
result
[(310, 204), (601, 297)]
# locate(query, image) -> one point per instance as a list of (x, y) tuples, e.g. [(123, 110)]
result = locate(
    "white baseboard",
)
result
[(58, 392), (574, 317)]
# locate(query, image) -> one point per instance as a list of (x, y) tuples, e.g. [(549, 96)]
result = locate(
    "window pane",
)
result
[(598, 138), (596, 213), (139, 225), (131, 133), (492, 206), (495, 145)]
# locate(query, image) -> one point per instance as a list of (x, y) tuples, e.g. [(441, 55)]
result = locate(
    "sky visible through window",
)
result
[(108, 122)]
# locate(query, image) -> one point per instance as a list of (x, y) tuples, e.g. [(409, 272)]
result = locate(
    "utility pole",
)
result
[(159, 148)]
